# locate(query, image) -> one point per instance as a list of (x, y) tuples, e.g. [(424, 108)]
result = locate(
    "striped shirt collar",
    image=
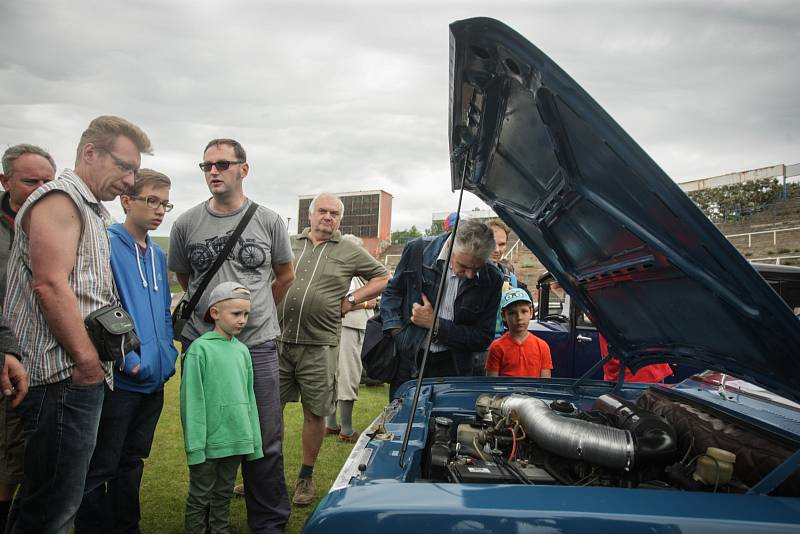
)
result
[(80, 185)]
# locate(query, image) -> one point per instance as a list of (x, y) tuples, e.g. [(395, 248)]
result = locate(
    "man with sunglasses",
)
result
[(58, 273), (131, 411), (262, 261)]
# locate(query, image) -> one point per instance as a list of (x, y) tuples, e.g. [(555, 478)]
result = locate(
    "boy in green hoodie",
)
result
[(218, 410)]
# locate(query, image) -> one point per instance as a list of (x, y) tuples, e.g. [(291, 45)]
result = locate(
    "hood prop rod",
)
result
[(576, 386), (458, 152)]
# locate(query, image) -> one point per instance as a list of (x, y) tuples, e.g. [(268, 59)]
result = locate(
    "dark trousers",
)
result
[(265, 492), (208, 505), (60, 428), (265, 495), (127, 425)]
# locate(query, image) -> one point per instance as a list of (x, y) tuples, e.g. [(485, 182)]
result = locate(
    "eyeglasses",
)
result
[(221, 165), (121, 164), (153, 202)]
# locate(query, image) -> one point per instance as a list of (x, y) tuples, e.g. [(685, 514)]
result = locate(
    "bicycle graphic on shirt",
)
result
[(248, 252)]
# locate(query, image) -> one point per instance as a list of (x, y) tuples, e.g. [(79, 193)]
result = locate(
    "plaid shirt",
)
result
[(91, 280)]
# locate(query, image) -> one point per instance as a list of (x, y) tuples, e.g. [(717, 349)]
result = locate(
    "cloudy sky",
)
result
[(353, 95)]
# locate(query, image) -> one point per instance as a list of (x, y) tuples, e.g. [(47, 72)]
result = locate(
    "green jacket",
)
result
[(218, 406)]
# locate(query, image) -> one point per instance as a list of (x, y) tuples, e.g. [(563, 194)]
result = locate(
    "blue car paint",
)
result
[(571, 358), (388, 499), (625, 243), (479, 508)]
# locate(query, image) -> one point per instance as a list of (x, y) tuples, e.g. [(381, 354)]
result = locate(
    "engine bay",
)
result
[(655, 443)]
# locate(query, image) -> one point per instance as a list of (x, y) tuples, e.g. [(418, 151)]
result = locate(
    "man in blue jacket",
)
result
[(466, 321), (131, 411)]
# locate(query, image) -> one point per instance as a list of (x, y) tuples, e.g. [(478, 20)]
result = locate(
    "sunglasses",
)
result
[(153, 202), (121, 164), (221, 165)]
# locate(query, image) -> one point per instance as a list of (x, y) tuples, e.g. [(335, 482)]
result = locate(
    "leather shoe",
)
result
[(304, 491), (352, 438)]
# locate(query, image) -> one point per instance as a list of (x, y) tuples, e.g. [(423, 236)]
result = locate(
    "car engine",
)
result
[(519, 439)]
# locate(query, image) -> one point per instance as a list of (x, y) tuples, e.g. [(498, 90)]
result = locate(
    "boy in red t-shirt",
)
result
[(518, 352)]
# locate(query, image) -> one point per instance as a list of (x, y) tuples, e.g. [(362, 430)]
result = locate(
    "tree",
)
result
[(401, 237)]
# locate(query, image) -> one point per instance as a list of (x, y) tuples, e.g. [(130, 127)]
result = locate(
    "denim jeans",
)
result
[(127, 425), (60, 428)]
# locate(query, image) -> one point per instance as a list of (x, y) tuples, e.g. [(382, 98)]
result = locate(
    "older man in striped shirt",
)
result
[(471, 295), (58, 273)]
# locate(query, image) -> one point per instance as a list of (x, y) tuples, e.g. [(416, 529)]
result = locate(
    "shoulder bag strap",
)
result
[(229, 244)]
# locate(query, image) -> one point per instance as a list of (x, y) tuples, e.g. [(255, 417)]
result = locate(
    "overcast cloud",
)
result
[(353, 95)]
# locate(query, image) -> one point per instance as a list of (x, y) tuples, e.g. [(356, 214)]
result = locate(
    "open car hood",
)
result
[(658, 278)]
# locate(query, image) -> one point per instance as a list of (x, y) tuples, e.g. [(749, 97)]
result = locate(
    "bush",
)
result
[(732, 202)]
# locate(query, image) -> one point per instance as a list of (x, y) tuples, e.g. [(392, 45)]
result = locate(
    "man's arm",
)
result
[(392, 297), (183, 280), (53, 226), (368, 291), (284, 278)]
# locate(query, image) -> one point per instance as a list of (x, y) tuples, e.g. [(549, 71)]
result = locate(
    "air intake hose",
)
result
[(565, 436)]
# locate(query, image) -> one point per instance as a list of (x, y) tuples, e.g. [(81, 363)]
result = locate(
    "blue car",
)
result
[(574, 340), (718, 452)]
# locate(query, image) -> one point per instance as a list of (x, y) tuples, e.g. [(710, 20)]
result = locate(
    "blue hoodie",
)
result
[(144, 291)]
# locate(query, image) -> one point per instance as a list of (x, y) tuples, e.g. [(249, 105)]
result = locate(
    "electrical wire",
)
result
[(689, 449), (513, 444), (475, 444)]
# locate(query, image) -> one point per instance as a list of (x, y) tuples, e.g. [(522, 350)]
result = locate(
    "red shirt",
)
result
[(649, 373), (511, 358)]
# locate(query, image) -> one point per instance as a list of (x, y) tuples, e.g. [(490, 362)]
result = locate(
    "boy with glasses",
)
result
[(131, 411)]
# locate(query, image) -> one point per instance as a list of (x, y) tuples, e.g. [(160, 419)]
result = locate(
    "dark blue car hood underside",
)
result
[(658, 278)]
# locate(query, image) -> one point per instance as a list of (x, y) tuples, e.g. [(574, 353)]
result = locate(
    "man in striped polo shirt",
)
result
[(58, 273)]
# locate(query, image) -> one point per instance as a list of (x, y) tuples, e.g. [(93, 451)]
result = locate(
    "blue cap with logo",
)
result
[(513, 295)]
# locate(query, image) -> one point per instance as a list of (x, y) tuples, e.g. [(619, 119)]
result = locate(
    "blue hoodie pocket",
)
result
[(145, 374)]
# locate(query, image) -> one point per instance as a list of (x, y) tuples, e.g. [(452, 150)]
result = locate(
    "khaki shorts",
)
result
[(308, 372), (12, 445), (348, 375)]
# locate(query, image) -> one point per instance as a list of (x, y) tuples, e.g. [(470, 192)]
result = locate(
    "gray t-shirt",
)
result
[(199, 235)]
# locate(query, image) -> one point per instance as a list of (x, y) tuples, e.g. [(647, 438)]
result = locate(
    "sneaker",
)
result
[(330, 431), (304, 491), (352, 438), (238, 490)]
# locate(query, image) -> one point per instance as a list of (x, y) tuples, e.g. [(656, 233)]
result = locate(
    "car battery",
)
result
[(481, 472)]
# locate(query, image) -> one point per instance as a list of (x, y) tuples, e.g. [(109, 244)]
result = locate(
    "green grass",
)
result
[(166, 476)]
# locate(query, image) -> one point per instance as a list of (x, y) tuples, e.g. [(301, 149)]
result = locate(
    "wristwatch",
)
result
[(351, 298)]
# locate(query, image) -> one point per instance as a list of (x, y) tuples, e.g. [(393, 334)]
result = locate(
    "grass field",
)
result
[(166, 475)]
